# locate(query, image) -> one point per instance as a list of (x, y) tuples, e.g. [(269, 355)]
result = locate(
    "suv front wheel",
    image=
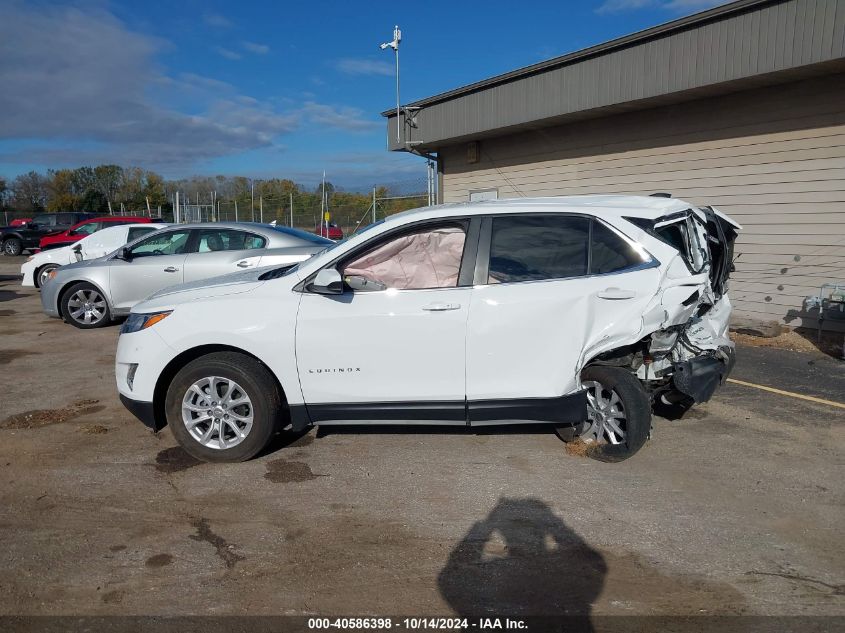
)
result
[(224, 407), (618, 414)]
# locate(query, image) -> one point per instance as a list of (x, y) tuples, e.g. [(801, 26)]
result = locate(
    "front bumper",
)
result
[(50, 299), (144, 411), (28, 274)]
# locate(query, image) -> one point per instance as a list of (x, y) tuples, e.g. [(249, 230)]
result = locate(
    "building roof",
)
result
[(747, 43)]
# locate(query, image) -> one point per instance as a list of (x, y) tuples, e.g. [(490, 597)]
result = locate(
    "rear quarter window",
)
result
[(610, 253)]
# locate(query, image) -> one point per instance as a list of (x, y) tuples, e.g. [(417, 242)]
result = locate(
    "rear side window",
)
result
[(609, 252), (137, 231), (530, 248), (228, 240)]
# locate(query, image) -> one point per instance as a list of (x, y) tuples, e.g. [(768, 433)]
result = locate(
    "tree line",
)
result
[(132, 190)]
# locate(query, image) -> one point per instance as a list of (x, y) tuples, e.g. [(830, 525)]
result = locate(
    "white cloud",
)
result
[(352, 66), (340, 117), (227, 53), (217, 21), (258, 49)]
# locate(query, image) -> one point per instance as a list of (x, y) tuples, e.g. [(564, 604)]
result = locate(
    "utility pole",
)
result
[(236, 209), (397, 37), (261, 206), (291, 210), (176, 209), (374, 205)]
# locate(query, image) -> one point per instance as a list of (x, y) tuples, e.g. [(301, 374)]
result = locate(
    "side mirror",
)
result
[(125, 254), (77, 252), (327, 282)]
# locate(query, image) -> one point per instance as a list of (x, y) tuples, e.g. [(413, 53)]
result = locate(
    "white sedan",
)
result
[(37, 267)]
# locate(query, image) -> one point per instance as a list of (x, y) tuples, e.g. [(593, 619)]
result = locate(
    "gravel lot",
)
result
[(735, 509)]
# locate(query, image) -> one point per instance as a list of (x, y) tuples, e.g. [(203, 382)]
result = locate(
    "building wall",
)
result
[(772, 158)]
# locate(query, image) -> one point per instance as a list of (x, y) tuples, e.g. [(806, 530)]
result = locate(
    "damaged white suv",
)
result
[(580, 312)]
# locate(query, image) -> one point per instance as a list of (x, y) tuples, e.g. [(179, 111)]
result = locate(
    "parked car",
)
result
[(333, 231), (17, 239), (87, 227), (37, 268), (90, 294), (579, 312)]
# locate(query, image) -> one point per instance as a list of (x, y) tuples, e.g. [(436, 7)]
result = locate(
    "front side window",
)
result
[(537, 247), (48, 219), (228, 240), (169, 243), (426, 258)]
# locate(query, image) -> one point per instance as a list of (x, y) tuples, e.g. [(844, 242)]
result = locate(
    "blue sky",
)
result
[(263, 89)]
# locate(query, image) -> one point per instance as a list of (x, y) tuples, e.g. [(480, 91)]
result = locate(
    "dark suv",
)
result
[(17, 239)]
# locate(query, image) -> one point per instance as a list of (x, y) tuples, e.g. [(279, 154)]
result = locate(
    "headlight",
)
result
[(137, 322), (30, 258)]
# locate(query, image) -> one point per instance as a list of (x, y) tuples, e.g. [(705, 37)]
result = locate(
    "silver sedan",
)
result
[(91, 293)]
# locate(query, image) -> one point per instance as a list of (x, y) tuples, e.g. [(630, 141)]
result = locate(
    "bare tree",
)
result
[(30, 192)]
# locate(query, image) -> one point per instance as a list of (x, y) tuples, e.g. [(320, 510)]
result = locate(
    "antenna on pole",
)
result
[(397, 37)]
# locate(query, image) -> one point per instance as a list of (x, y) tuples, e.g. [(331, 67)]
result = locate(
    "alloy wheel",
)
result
[(217, 412), (606, 418), (87, 306)]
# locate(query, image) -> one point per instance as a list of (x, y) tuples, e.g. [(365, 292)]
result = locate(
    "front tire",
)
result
[(13, 246), (85, 307), (619, 414), (43, 274), (224, 407)]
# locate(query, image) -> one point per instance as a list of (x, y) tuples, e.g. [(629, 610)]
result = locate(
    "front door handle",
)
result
[(441, 307), (244, 264), (171, 269), (616, 294)]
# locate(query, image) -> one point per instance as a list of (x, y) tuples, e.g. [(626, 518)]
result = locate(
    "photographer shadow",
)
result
[(522, 560)]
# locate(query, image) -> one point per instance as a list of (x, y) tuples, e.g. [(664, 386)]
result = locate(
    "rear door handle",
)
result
[(244, 264), (616, 294), (441, 307), (171, 269)]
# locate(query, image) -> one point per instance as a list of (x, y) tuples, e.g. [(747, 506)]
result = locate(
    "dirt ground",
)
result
[(736, 508)]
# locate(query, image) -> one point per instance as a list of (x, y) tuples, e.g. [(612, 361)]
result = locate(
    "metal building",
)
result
[(741, 107)]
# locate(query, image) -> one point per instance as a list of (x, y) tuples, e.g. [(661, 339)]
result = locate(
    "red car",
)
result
[(85, 228), (333, 232), (20, 222)]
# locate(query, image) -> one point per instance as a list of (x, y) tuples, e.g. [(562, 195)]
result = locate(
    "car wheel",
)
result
[(618, 414), (43, 274), (85, 307), (224, 407), (13, 246)]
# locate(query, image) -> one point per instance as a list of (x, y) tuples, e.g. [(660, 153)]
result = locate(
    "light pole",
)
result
[(397, 37)]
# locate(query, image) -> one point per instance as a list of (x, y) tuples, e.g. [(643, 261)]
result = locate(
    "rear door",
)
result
[(223, 250), (155, 263), (547, 287)]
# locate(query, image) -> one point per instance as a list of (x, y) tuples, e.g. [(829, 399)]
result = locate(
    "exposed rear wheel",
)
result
[(618, 414), (224, 407), (85, 307)]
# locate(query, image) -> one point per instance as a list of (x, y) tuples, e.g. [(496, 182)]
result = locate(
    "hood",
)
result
[(231, 284)]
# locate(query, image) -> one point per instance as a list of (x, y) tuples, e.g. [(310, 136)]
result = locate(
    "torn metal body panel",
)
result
[(682, 351)]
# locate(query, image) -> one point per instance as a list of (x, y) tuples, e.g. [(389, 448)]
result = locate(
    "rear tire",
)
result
[(12, 246), (85, 307), (224, 393), (619, 410)]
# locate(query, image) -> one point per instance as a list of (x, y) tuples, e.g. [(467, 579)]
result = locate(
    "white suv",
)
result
[(580, 312)]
